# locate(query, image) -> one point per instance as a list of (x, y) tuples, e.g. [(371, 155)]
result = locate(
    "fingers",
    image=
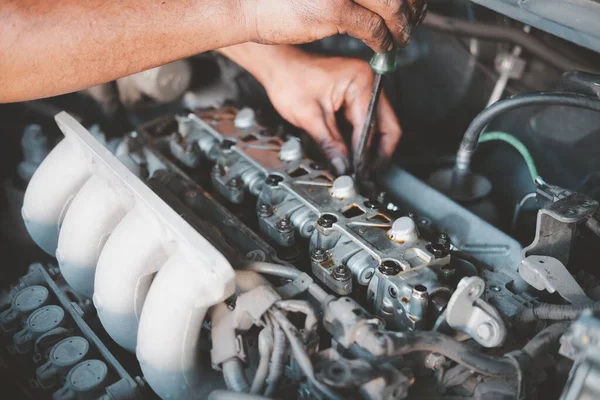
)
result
[(400, 16), (322, 127), (367, 26), (390, 133), (387, 126)]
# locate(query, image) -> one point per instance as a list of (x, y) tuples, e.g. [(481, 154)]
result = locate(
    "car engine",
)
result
[(176, 239)]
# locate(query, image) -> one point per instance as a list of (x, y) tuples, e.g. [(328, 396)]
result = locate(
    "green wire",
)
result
[(517, 144)]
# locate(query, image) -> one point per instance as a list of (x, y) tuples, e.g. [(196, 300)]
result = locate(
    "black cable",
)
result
[(529, 43), (471, 136)]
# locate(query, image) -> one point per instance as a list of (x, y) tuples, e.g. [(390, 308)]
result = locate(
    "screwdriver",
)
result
[(381, 64)]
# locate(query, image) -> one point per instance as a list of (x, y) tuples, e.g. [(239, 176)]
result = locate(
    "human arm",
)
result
[(54, 47)]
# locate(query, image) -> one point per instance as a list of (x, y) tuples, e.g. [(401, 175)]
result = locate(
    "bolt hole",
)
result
[(357, 312), (541, 261), (347, 300), (421, 288), (393, 292)]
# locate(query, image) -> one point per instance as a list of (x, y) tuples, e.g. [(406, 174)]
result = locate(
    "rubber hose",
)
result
[(528, 42), (229, 395), (286, 272), (517, 144), (277, 358), (392, 345), (555, 312), (265, 349), (471, 136), (235, 376), (544, 339), (581, 82)]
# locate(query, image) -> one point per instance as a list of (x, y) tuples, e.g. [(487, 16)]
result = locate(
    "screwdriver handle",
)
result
[(384, 63)]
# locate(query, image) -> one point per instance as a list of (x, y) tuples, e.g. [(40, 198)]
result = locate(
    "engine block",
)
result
[(352, 241)]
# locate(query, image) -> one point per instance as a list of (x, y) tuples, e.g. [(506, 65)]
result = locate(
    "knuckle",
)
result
[(392, 7), (376, 28)]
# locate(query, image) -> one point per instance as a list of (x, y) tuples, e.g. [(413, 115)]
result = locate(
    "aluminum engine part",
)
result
[(152, 276), (467, 312), (351, 240), (544, 262)]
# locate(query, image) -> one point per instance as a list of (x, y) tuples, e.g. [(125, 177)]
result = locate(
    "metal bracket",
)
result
[(468, 313), (548, 273)]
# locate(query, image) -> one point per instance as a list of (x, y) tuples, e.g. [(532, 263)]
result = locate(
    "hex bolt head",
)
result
[(284, 225), (319, 254), (273, 180), (235, 183), (226, 144), (341, 273), (390, 267), (327, 220), (265, 210), (485, 331)]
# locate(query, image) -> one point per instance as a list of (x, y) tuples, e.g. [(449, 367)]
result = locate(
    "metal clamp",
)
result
[(468, 313), (543, 272)]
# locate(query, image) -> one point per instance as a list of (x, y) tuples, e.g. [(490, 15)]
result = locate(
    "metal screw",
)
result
[(327, 220), (235, 182), (319, 254), (341, 273), (494, 288), (284, 225), (390, 267), (273, 180), (265, 210)]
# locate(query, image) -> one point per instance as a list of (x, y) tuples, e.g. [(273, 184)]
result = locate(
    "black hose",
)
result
[(483, 31), (390, 345), (555, 312), (471, 136), (581, 82)]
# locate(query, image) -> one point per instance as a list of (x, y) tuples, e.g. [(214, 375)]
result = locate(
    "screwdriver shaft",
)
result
[(360, 158)]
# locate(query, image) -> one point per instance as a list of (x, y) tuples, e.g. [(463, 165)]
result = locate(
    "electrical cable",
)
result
[(516, 144)]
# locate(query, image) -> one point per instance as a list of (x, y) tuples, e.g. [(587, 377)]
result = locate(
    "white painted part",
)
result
[(93, 215), (404, 229), (169, 329), (343, 188), (108, 199), (126, 268), (50, 191)]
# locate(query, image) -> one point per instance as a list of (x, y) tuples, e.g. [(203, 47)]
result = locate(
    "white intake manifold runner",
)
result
[(151, 275)]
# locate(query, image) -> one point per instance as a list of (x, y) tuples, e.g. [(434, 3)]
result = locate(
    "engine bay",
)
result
[(203, 248)]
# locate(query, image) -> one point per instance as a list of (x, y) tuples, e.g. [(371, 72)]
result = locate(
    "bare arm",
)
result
[(54, 47)]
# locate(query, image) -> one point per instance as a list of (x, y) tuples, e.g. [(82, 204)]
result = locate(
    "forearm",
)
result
[(49, 48), (262, 61)]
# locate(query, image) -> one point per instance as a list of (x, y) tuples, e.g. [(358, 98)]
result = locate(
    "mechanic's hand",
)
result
[(376, 22), (310, 89)]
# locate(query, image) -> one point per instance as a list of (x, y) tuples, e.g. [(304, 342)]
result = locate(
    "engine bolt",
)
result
[(265, 210), (441, 248), (284, 225), (273, 180), (319, 254), (341, 273), (235, 183), (327, 220), (390, 267), (227, 144)]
